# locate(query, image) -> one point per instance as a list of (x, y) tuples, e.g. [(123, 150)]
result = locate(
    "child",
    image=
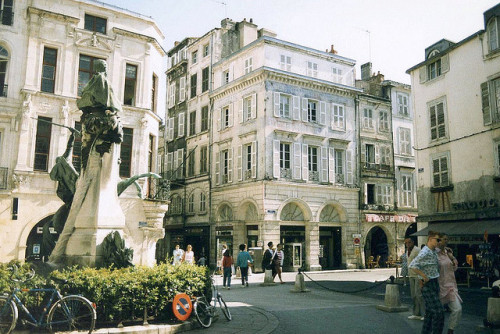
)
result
[(227, 261)]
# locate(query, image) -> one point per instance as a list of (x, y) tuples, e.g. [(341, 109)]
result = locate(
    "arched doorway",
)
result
[(35, 250), (376, 244), (410, 230), (293, 236), (330, 239)]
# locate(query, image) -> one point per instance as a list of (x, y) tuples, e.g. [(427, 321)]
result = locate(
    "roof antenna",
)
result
[(224, 4)]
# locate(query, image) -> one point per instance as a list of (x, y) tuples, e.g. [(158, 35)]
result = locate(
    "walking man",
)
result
[(415, 289)]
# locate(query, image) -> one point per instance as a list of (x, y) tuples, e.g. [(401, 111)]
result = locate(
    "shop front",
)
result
[(293, 239), (330, 247), (196, 236)]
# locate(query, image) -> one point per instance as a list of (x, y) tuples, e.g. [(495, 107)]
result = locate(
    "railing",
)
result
[(7, 17), (4, 172), (313, 176), (159, 189), (339, 178), (247, 175), (3, 90), (374, 166), (285, 173)]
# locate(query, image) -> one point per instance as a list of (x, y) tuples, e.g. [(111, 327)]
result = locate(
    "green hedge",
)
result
[(122, 294)]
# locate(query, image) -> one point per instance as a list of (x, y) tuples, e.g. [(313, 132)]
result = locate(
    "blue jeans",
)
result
[(227, 275)]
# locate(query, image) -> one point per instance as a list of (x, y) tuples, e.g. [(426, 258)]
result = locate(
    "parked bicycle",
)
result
[(68, 313), (204, 310)]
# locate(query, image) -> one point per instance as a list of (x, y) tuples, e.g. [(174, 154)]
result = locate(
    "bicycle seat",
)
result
[(60, 280)]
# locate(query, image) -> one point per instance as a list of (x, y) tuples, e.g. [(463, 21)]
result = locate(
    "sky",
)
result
[(392, 34)]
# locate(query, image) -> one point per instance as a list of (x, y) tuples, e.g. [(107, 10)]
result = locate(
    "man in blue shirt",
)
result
[(242, 261), (426, 266)]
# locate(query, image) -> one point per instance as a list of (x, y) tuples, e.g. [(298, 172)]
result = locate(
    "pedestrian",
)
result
[(242, 261), (278, 261), (411, 253), (268, 258), (178, 253), (202, 261), (426, 266), (227, 262), (448, 291), (188, 255)]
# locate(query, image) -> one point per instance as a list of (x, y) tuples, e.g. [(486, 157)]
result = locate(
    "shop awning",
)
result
[(462, 228)]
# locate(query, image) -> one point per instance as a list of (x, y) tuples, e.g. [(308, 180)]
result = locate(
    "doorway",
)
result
[(330, 247)]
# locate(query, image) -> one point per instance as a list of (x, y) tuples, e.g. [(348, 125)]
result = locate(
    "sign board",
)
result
[(36, 249), (143, 224), (182, 306), (356, 235), (357, 241)]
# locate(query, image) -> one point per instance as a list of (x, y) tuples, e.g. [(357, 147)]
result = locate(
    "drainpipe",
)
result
[(209, 152), (394, 183), (358, 163)]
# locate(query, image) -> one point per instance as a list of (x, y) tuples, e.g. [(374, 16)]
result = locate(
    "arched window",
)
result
[(291, 212), (492, 29), (4, 60)]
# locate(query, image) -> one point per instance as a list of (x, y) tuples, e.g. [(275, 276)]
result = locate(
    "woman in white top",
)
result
[(188, 255)]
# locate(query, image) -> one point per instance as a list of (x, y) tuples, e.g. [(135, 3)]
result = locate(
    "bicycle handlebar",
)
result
[(28, 276)]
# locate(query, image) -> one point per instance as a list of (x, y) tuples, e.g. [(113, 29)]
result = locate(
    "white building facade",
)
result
[(47, 53)]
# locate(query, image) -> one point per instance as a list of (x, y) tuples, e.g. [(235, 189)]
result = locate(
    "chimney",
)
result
[(332, 50), (366, 70), (176, 43)]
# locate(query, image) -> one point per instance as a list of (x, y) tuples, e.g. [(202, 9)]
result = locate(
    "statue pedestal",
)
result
[(154, 211)]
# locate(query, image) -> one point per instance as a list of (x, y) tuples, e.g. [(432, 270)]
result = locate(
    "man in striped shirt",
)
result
[(425, 265)]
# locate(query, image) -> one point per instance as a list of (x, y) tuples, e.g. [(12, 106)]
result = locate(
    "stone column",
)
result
[(312, 246), (154, 211)]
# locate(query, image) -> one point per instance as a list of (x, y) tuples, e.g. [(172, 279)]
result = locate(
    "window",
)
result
[(130, 82), (176, 205), (203, 159), (383, 122), (402, 104), (42, 144), (312, 69), (180, 124), (384, 194), (404, 141), (406, 190), (312, 163), (191, 163), (369, 154), (285, 63), (190, 208), (368, 118), (6, 12), (154, 88), (491, 113), (385, 155), (492, 30), (194, 81), (225, 117), (285, 105), (312, 112), (182, 89), (224, 157), (437, 120), (440, 171), (178, 163), (206, 50), (192, 123), (171, 95), (94, 23), (85, 71), (370, 194), (339, 166), (203, 201), (248, 163), (248, 65), (204, 118), (204, 79), (434, 69), (247, 108), (4, 60), (285, 156), (126, 152), (49, 70), (338, 116), (225, 77), (337, 75), (194, 57)]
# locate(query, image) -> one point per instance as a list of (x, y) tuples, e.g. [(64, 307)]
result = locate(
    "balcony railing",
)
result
[(377, 167), (3, 90), (7, 17), (4, 172), (158, 189), (339, 178), (247, 175), (285, 173), (313, 176)]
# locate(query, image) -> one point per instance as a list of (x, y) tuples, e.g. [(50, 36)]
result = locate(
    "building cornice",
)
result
[(57, 16), (141, 37)]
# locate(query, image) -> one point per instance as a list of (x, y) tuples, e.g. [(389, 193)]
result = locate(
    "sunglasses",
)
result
[(438, 239)]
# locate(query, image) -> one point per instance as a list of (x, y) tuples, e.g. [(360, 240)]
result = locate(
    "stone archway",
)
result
[(376, 243), (330, 237), (35, 249)]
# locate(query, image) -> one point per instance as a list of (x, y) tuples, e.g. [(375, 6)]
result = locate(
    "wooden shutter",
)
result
[(170, 157), (240, 110), (349, 167), (219, 120), (485, 99), (175, 164), (230, 165), (180, 130), (171, 129), (422, 73), (445, 63), (322, 113), (217, 167), (276, 104), (296, 160), (240, 163), (331, 164), (377, 154), (253, 113), (230, 107), (304, 110), (276, 159), (363, 152), (305, 160), (296, 108), (254, 159), (182, 89), (180, 157), (324, 164)]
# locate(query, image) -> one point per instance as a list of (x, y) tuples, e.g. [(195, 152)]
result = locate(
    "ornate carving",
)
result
[(19, 180)]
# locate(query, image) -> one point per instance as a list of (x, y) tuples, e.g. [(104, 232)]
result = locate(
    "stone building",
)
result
[(47, 50), (456, 99)]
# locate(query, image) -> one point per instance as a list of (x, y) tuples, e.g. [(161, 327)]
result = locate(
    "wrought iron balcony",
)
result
[(4, 172), (158, 189)]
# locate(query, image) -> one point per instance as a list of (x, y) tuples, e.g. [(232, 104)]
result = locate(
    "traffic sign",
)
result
[(357, 241), (182, 306)]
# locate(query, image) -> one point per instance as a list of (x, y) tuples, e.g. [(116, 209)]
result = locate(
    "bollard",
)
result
[(300, 285), (268, 278), (391, 299), (492, 321)]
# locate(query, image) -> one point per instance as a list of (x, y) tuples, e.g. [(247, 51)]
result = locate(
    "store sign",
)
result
[(474, 205), (379, 218)]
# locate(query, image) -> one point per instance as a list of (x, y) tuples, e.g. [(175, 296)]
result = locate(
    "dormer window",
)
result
[(96, 24), (492, 30), (434, 69)]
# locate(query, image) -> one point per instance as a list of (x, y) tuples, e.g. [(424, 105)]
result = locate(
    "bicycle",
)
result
[(68, 313), (204, 310)]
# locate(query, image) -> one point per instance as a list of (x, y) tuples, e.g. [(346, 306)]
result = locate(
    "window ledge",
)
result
[(442, 189)]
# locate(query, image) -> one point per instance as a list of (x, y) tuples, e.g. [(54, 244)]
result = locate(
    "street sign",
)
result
[(182, 306), (357, 241)]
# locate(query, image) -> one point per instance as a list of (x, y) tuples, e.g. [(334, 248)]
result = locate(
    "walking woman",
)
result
[(227, 262), (425, 265), (448, 291)]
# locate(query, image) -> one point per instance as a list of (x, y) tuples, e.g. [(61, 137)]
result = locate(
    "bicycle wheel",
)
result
[(72, 313), (203, 314), (224, 308), (8, 315)]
